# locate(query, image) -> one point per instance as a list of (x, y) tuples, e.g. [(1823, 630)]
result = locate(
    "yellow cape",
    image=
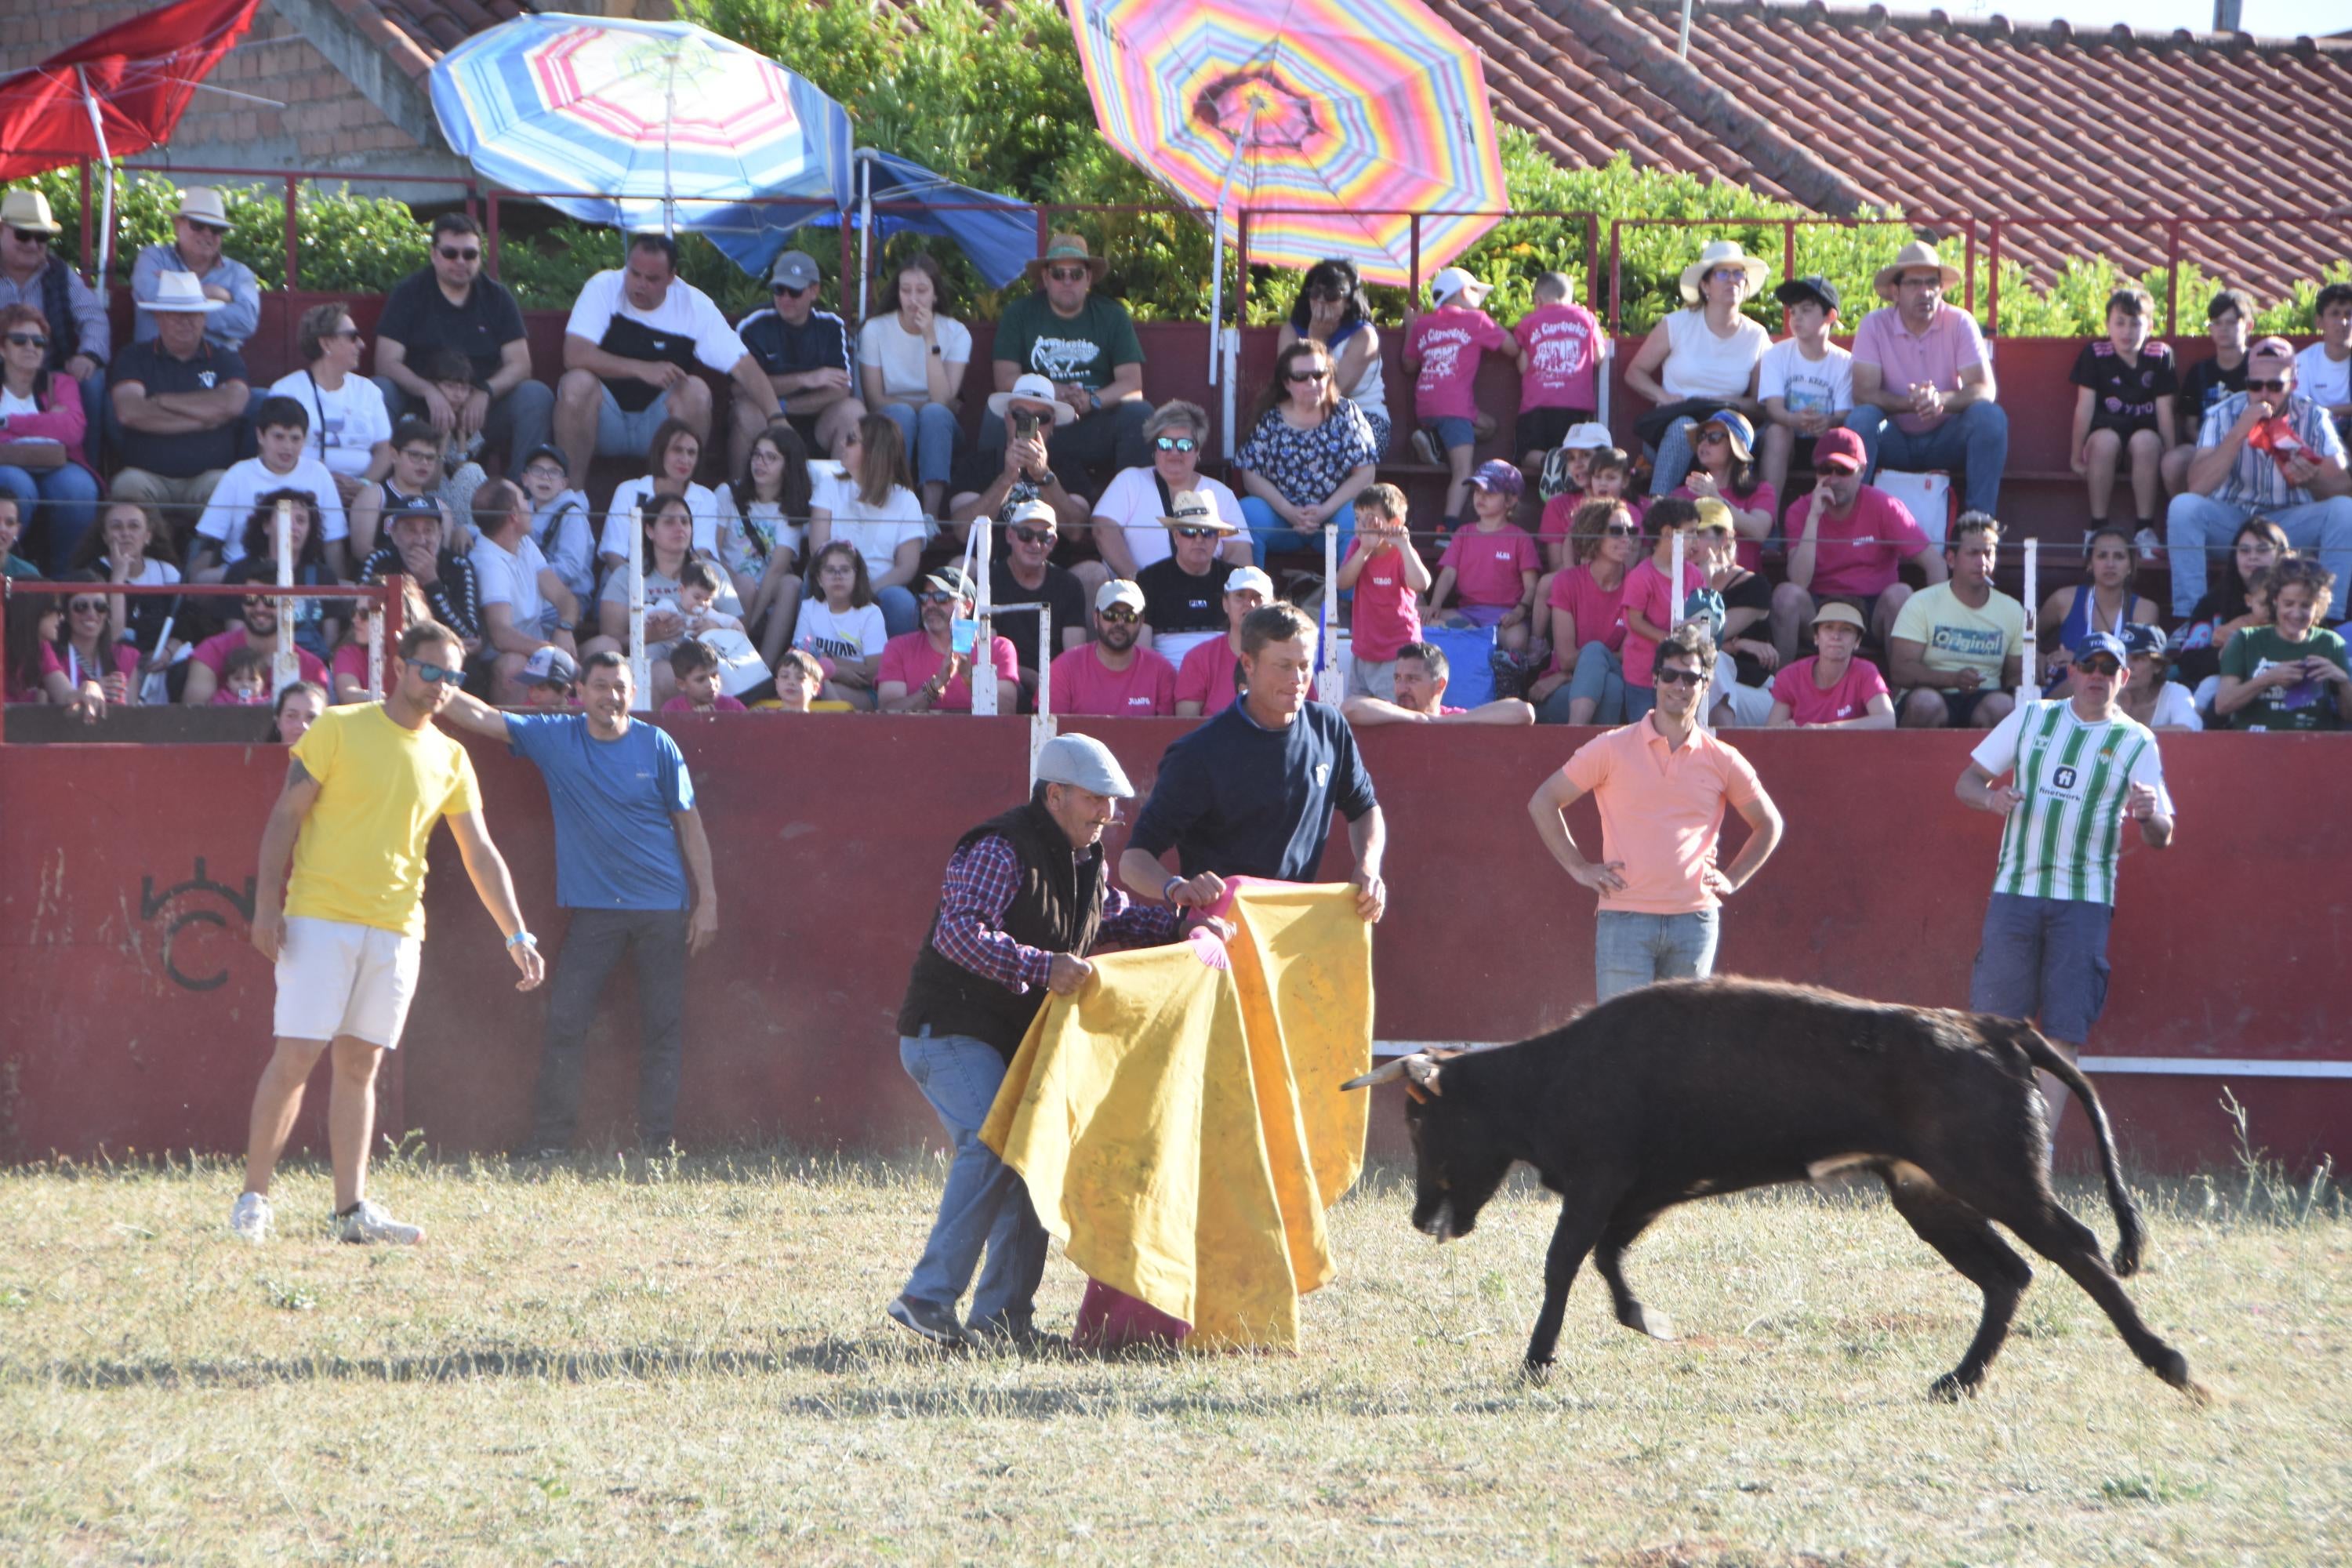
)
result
[(1181, 1124)]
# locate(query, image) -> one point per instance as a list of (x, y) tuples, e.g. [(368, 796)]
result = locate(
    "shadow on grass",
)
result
[(454, 1366)]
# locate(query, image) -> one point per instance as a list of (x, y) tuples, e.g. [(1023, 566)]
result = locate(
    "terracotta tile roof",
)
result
[(1836, 108), (416, 33)]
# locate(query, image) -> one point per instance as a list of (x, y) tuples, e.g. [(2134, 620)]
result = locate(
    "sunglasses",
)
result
[(1118, 614), (1198, 533), (852, 439), (1620, 530), (451, 253), (790, 288), (1679, 676), (1713, 437), (27, 341), (2100, 665), (30, 236), (87, 608), (1065, 274), (1308, 375), (350, 334), (1031, 536), (432, 674), (1174, 444), (2251, 385), (937, 597)]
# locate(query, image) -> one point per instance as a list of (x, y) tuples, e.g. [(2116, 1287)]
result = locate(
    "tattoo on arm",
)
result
[(297, 775)]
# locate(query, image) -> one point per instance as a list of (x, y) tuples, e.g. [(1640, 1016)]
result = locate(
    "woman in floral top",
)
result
[(1309, 456)]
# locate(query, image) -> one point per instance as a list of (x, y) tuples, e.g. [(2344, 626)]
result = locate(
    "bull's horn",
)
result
[(1388, 1071)]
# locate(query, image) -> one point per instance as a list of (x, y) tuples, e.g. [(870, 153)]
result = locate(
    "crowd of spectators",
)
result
[(806, 562)]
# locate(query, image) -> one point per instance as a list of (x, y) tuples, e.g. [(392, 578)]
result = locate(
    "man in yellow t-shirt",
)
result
[(1957, 648), (366, 785)]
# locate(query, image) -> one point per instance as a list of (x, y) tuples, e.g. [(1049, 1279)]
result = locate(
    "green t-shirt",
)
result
[(1087, 350), (17, 566), (2306, 704)]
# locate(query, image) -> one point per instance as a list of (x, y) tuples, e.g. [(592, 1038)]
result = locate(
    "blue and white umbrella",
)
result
[(643, 125)]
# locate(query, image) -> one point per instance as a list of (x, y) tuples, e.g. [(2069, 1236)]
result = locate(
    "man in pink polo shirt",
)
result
[(1661, 784), (1923, 384), (1110, 676), (1848, 541)]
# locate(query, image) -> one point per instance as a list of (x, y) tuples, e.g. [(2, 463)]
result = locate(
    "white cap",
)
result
[(1083, 761), (1589, 437), (1456, 280), (1245, 578), (1035, 511), (1119, 591)]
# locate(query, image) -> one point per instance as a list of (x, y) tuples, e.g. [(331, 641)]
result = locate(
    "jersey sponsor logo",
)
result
[(1322, 775), (1966, 642), (1062, 359)]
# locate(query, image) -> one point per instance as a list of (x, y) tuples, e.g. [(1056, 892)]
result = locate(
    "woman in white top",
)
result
[(911, 365), (126, 547), (761, 519), (1700, 360), (669, 534), (1332, 309), (676, 453), (871, 503), (1128, 528), (350, 430)]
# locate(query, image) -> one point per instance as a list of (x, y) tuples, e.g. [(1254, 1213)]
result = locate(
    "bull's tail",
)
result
[(2132, 1237)]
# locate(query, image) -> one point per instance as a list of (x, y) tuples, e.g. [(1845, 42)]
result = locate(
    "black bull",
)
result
[(1695, 1088)]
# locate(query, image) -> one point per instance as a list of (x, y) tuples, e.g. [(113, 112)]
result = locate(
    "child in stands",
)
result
[(2124, 412), (1650, 600), (1443, 349), (695, 664), (1492, 563), (1559, 342), (1387, 576), (244, 678)]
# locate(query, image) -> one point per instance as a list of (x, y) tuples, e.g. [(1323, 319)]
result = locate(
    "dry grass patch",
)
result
[(690, 1366)]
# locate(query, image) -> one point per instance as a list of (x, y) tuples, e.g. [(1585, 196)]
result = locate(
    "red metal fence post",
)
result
[(1616, 275), (1992, 278), (1412, 263), (491, 232), (2172, 277), (293, 197)]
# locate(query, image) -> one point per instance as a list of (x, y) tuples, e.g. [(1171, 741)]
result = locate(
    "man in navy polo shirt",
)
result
[(1251, 792), (627, 839)]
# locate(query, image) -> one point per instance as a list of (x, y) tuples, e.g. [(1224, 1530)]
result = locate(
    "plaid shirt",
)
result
[(981, 880), (2255, 482)]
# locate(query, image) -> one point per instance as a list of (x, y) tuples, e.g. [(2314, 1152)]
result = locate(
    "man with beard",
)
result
[(1111, 678)]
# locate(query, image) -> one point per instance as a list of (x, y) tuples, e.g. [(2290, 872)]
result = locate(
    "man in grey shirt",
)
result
[(198, 228)]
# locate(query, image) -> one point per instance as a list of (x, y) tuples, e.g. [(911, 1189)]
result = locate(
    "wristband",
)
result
[(1171, 885), (519, 938)]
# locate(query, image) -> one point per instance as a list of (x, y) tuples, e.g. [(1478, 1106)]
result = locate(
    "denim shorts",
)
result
[(2043, 960), (620, 434), (1453, 431)]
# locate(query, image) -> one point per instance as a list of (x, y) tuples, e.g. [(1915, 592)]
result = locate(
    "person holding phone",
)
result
[(1019, 471), (928, 671)]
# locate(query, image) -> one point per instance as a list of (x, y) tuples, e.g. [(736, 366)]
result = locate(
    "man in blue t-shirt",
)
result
[(1251, 792), (632, 866)]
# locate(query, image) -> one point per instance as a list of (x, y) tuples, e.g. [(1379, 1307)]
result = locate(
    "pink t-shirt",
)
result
[(351, 658), (913, 660), (1085, 687), (1206, 676), (1559, 366), (1646, 591), (1486, 567), (125, 657), (1386, 614), (1841, 567), (1763, 498), (722, 703), (214, 651), (1599, 612), (1935, 358), (1447, 343), (1849, 699)]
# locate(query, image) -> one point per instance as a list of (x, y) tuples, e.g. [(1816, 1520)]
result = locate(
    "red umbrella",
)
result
[(118, 92)]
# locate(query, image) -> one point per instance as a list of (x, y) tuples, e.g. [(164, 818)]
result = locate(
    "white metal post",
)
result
[(2029, 667), (1330, 610), (640, 667), (1675, 590), (286, 665), (375, 655), (983, 692)]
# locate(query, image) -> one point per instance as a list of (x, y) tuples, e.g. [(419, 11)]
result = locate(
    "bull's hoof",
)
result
[(1950, 1387), (1650, 1322), (1535, 1373)]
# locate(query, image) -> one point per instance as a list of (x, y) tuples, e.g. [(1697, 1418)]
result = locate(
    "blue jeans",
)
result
[(1269, 533), (1975, 440), (1631, 950), (931, 433), (2196, 528), (67, 499), (654, 941), (1675, 456), (1599, 675), (520, 421), (985, 1204)]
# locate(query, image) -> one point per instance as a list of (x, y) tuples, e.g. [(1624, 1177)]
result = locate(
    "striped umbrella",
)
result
[(1357, 111), (643, 125)]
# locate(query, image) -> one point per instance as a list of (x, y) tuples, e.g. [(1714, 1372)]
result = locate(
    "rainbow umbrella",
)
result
[(1352, 114), (643, 125)]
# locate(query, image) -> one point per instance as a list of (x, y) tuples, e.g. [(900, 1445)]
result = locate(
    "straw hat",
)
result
[(1035, 389), (27, 210), (1067, 247), (1918, 253), (1191, 509), (179, 293), (1723, 253), (202, 205)]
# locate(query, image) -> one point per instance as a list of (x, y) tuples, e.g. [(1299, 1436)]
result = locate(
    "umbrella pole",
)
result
[(864, 230), (98, 130)]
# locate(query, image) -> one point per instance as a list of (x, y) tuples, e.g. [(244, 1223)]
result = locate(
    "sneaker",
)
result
[(924, 1321), (366, 1223), (250, 1218), (1511, 673), (2151, 547), (1426, 448), (1022, 1335)]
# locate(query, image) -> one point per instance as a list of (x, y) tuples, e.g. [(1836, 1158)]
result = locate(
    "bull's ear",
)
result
[(1387, 1072), (1420, 1076)]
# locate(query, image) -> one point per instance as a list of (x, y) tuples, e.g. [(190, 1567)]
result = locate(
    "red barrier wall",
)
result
[(134, 1015)]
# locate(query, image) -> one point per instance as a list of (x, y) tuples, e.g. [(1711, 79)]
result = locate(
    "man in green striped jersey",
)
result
[(2076, 768)]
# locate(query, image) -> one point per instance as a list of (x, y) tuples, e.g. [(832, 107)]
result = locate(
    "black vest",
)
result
[(632, 339), (1056, 906), (56, 304)]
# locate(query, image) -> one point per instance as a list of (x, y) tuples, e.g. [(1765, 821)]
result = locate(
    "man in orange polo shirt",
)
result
[(1660, 782)]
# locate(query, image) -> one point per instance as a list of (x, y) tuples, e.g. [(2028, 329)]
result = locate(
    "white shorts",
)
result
[(335, 978)]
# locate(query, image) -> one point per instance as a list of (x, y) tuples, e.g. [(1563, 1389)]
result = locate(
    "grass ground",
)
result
[(691, 1366)]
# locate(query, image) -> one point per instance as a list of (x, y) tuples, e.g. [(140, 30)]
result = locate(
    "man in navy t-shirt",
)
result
[(1251, 792), (633, 866)]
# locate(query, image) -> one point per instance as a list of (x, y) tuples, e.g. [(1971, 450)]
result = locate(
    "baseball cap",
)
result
[(1456, 280), (2140, 638), (1249, 579), (2101, 642), (1591, 435), (794, 268), (1839, 450), (552, 452), (1119, 591), (1838, 614), (1083, 761), (549, 666), (1035, 512), (950, 580), (1812, 285), (1499, 478)]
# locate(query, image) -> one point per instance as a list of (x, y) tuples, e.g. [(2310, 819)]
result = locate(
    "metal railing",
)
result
[(1965, 226)]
